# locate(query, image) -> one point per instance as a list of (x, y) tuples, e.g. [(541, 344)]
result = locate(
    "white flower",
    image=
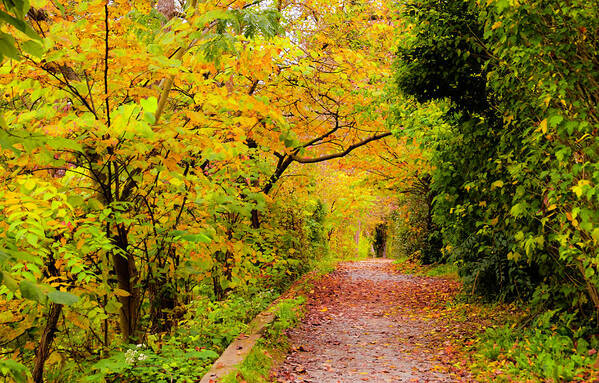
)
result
[(130, 356)]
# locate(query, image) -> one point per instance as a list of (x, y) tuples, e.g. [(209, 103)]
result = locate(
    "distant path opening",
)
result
[(365, 322)]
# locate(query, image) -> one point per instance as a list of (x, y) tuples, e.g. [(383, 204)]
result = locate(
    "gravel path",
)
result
[(361, 326)]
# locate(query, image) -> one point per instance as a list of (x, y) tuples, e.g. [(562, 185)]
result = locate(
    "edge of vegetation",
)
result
[(272, 346)]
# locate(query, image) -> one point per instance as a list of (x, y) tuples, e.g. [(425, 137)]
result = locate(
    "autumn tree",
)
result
[(140, 143)]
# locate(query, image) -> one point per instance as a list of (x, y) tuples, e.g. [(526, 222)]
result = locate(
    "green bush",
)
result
[(513, 145), (204, 332), (553, 349), (411, 234)]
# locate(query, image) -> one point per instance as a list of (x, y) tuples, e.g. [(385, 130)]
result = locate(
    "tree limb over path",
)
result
[(285, 160), (304, 160)]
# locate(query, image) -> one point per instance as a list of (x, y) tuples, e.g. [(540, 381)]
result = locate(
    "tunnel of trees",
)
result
[(168, 168)]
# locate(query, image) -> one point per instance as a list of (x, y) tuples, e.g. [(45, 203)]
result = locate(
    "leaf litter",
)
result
[(367, 322)]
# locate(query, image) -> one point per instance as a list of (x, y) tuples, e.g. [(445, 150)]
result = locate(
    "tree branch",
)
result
[(304, 160), (106, 50), (315, 140)]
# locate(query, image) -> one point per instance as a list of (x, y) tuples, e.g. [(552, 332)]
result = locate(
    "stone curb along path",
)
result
[(239, 349), (242, 346)]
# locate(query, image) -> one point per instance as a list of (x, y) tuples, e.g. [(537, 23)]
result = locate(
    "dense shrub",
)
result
[(412, 234), (514, 149)]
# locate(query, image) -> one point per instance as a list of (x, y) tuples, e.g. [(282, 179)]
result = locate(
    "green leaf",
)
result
[(15, 22), (518, 210), (150, 118), (113, 307), (62, 297), (31, 291), (33, 48), (3, 123), (149, 104), (9, 281), (196, 238), (7, 46), (202, 354), (113, 365), (502, 5), (555, 120), (76, 201), (15, 369)]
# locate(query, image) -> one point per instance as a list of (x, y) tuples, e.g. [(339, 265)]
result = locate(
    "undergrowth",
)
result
[(550, 349), (184, 356), (508, 343), (271, 347), (203, 333), (407, 265)]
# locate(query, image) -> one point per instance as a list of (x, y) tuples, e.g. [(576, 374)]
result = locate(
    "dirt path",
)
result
[(365, 322)]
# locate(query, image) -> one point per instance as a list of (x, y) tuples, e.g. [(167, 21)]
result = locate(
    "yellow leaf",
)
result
[(543, 126), (496, 25), (29, 184), (513, 256), (77, 322), (121, 293)]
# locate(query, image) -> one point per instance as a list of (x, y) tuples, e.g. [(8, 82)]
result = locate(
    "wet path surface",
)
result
[(365, 322)]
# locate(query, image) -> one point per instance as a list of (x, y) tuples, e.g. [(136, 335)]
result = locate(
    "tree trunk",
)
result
[(224, 262), (163, 300), (47, 338), (43, 350), (167, 7), (282, 165), (217, 288), (126, 272), (127, 277), (357, 237), (255, 219), (591, 289)]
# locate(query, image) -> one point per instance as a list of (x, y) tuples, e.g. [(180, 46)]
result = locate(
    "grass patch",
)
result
[(445, 270), (325, 264), (254, 369), (442, 270)]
